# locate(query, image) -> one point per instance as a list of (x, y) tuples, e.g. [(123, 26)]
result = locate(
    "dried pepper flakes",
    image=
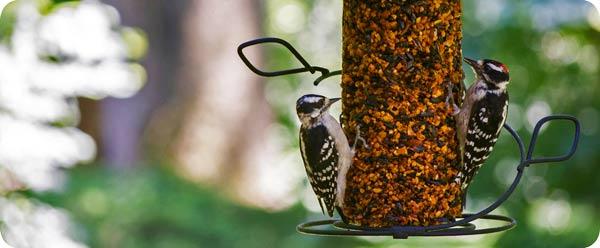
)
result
[(398, 58)]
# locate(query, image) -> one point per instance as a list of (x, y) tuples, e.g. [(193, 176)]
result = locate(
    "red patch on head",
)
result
[(504, 68)]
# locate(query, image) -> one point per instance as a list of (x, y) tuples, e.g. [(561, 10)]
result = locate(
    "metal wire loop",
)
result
[(534, 138), (325, 73)]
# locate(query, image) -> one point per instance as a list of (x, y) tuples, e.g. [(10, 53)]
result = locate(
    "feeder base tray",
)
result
[(338, 228)]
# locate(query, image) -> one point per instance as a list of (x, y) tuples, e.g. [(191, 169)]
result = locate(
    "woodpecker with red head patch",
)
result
[(481, 116)]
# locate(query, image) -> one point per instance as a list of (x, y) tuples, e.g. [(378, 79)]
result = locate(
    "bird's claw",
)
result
[(359, 138), (450, 100)]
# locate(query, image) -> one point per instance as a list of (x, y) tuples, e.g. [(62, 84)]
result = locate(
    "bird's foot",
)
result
[(450, 100), (359, 138)]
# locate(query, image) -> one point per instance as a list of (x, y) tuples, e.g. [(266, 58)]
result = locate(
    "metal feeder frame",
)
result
[(463, 225)]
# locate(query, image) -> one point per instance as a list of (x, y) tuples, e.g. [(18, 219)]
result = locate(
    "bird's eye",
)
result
[(320, 103)]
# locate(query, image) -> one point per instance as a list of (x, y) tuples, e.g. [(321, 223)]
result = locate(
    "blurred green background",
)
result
[(206, 154)]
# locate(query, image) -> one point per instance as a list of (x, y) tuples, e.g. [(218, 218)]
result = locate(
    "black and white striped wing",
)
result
[(486, 120), (321, 159)]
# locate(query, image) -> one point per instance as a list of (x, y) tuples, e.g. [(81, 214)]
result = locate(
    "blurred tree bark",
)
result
[(214, 121), (90, 119), (124, 120), (223, 114), (201, 108)]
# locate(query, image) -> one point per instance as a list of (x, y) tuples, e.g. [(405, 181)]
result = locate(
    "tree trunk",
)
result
[(124, 121), (213, 118), (221, 136), (398, 59)]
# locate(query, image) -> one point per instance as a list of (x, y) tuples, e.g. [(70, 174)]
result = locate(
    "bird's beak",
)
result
[(471, 62), (332, 101), (474, 64)]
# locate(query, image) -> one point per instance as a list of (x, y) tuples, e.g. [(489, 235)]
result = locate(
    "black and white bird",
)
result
[(481, 116), (325, 150)]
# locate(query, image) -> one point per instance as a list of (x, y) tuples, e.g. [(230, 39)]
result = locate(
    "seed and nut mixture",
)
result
[(399, 56)]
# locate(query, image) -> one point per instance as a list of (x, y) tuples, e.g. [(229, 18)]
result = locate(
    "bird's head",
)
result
[(492, 72), (312, 106)]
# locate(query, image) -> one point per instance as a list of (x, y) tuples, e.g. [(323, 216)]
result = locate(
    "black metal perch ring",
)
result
[(463, 226), (342, 229)]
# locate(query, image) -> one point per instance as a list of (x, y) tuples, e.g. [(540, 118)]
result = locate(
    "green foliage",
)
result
[(7, 18), (152, 207), (137, 42)]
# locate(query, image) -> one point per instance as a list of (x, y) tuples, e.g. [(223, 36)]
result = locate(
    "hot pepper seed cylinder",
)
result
[(398, 59)]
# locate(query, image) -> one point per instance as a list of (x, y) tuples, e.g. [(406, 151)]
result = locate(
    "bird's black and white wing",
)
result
[(321, 159), (485, 123)]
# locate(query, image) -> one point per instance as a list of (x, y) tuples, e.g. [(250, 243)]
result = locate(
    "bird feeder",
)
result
[(398, 59)]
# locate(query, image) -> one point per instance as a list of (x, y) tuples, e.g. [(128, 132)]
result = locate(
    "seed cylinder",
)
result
[(399, 56)]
